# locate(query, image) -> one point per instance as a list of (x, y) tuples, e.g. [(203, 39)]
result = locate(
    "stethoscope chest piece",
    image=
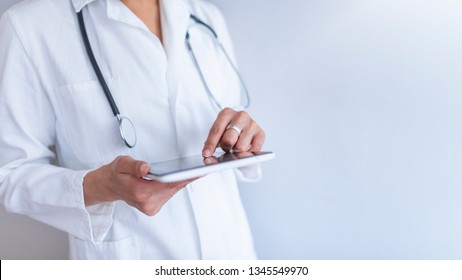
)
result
[(127, 131)]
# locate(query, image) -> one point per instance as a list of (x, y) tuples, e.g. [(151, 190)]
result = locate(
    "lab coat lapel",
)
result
[(175, 21)]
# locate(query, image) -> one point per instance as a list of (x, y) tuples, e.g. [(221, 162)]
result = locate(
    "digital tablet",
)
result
[(198, 166)]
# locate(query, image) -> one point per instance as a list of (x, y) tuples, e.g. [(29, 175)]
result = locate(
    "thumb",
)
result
[(128, 165)]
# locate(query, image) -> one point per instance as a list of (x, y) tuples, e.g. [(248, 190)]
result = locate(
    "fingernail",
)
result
[(206, 153), (208, 161), (145, 168)]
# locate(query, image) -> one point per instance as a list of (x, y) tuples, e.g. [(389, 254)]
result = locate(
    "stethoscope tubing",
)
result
[(126, 126), (94, 63)]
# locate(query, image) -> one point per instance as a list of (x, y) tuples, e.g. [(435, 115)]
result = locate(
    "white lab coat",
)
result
[(56, 125)]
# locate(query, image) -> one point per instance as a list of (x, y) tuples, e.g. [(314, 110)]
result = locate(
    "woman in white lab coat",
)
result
[(60, 149)]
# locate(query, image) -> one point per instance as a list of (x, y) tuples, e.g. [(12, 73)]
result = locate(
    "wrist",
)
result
[(95, 188)]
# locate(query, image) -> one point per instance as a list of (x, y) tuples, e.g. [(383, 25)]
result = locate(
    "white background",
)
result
[(362, 102)]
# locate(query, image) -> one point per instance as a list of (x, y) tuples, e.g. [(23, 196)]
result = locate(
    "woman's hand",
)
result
[(245, 136), (122, 179)]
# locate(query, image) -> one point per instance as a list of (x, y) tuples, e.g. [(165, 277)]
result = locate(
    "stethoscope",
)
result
[(126, 127)]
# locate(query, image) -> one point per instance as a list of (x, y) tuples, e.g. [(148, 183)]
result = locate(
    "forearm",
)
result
[(51, 195)]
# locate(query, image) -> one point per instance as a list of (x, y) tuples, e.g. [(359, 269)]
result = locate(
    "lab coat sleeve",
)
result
[(30, 183), (251, 173)]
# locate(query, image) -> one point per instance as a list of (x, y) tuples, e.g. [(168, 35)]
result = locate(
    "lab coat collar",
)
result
[(175, 13), (79, 4), (175, 21)]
